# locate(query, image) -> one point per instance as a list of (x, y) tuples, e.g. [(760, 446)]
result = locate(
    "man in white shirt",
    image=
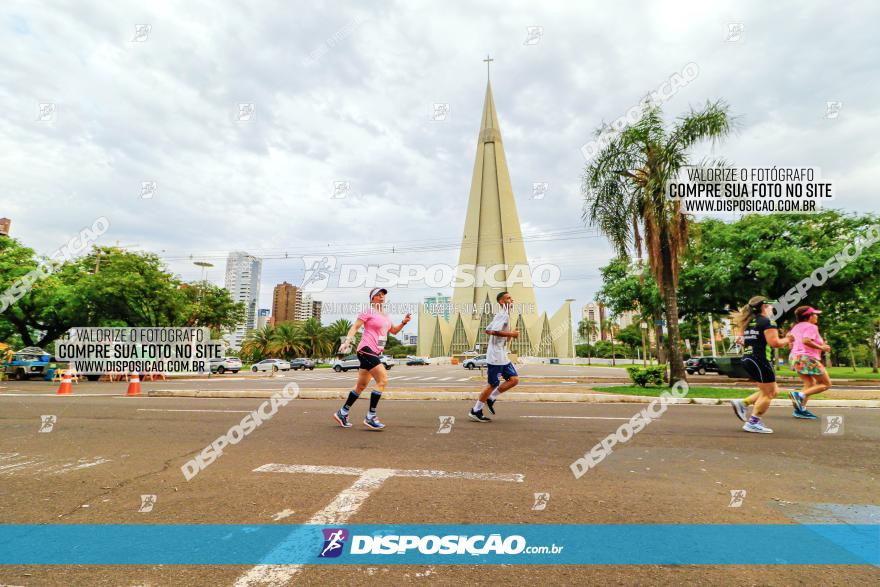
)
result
[(496, 358)]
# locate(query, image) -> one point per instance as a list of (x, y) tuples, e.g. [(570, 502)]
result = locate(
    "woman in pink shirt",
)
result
[(806, 359), (376, 324)]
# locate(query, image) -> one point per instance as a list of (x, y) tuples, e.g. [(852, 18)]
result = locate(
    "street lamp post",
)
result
[(644, 329)]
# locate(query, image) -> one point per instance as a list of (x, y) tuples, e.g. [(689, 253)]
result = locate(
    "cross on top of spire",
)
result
[(488, 60)]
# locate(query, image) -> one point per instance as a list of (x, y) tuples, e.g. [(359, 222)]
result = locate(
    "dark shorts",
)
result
[(759, 369), (507, 371), (368, 358)]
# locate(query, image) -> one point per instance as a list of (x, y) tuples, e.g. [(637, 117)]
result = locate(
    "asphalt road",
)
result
[(103, 453)]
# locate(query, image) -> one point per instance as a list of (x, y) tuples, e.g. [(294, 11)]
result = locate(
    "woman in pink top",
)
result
[(806, 359), (376, 324)]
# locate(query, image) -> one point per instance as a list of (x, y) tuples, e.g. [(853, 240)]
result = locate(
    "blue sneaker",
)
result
[(804, 415), (342, 419), (797, 400), (373, 423)]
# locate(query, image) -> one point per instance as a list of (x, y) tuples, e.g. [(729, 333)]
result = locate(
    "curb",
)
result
[(595, 398)]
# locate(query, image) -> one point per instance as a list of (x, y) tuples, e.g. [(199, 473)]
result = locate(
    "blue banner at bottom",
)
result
[(416, 544)]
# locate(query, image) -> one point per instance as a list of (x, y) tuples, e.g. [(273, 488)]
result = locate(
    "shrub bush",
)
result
[(645, 376)]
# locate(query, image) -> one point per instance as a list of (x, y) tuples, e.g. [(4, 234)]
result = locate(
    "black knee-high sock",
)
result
[(375, 396), (352, 397)]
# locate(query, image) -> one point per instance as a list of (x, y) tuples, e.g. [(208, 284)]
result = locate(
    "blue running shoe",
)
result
[(797, 400), (342, 419), (804, 415), (373, 423)]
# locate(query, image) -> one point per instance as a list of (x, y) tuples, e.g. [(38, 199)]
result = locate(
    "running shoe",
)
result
[(490, 403), (373, 423), (804, 415), (342, 419), (797, 400), (739, 408), (757, 427), (477, 416)]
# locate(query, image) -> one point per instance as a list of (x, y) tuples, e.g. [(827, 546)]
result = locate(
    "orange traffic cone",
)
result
[(134, 386), (66, 386)]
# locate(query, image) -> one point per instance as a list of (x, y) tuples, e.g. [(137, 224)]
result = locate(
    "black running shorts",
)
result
[(368, 358), (759, 369)]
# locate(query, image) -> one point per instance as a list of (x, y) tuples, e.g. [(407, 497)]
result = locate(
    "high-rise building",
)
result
[(628, 318), (264, 317), (285, 303), (438, 305), (289, 303), (493, 237), (595, 312), (243, 273)]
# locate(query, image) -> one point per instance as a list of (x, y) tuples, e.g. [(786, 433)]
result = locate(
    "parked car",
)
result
[(477, 362), (303, 364), (225, 364), (271, 365), (351, 362), (701, 365), (416, 361)]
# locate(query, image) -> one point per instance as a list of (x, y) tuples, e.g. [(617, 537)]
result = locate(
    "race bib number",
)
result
[(382, 340)]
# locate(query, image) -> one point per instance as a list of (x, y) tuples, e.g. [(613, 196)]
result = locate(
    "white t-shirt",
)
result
[(496, 350)]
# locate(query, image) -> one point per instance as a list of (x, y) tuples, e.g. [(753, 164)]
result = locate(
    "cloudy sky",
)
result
[(346, 92)]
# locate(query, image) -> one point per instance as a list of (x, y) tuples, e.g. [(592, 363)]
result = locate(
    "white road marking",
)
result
[(445, 379), (343, 506), (428, 378), (283, 514), (464, 379), (42, 466), (169, 410), (577, 417)]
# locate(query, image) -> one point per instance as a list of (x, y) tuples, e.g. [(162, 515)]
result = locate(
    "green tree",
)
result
[(587, 330), (336, 331), (288, 340), (257, 344), (624, 190), (209, 305), (318, 340)]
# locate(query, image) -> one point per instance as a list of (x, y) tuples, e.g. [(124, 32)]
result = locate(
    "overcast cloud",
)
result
[(345, 91)]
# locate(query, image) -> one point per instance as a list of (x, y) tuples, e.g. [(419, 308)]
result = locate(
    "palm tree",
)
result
[(319, 344), (288, 340), (587, 329), (610, 328), (624, 190), (258, 343)]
